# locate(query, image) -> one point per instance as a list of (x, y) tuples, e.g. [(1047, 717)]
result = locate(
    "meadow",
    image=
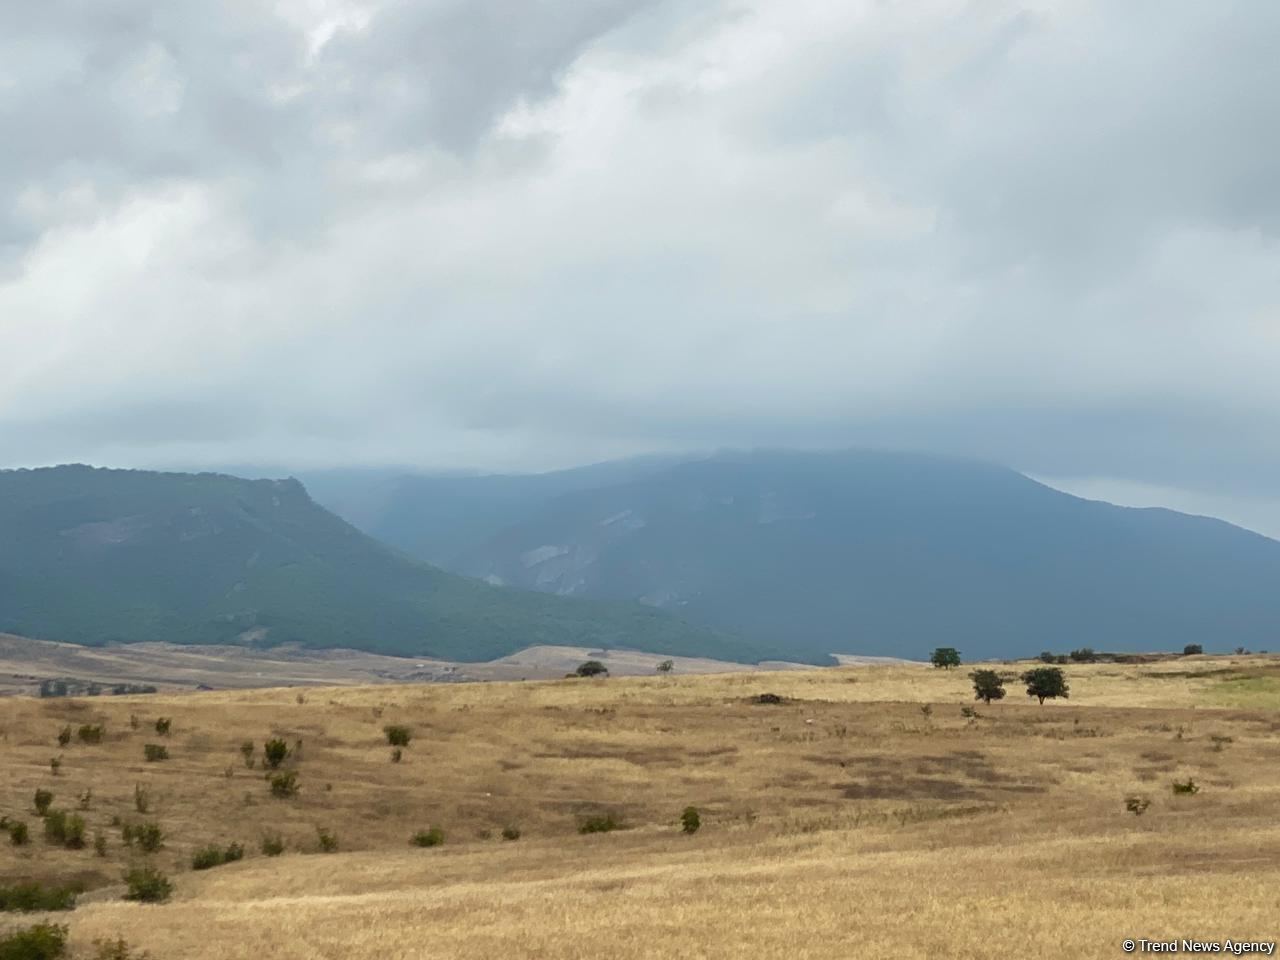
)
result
[(874, 811)]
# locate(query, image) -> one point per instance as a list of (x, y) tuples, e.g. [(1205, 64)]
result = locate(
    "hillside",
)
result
[(856, 552), (101, 556), (843, 822)]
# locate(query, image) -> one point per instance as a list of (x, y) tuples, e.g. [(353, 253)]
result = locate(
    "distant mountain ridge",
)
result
[(95, 556), (853, 552)]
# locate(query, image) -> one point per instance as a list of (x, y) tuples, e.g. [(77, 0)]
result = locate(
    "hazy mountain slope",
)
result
[(892, 554), (93, 556)]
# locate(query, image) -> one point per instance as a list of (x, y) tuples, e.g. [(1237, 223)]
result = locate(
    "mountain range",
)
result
[(851, 552)]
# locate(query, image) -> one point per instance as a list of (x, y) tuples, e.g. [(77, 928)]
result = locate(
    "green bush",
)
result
[(163, 724), (44, 941), (1083, 655), (147, 836), (1048, 656), (90, 733), (599, 823), (141, 798), (274, 753), (116, 950), (19, 833), (1192, 650), (42, 800), (944, 658), (100, 843), (154, 752), (690, 821), (64, 736), (327, 840), (1190, 788), (428, 838), (272, 845), (592, 668), (64, 829), (35, 897), (398, 736), (147, 885), (284, 785), (510, 833), (1136, 805), (215, 856)]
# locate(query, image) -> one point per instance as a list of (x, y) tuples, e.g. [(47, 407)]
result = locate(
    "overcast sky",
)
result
[(517, 234)]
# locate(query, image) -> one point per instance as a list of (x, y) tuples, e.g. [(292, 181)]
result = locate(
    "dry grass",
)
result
[(844, 822)]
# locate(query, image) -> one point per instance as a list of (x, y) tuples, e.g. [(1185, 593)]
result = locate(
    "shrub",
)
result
[(592, 668), (397, 755), (154, 752), (768, 699), (141, 798), (1083, 655), (1047, 656), (86, 798), (510, 833), (116, 950), (1046, 683), (35, 897), (163, 724), (599, 823), (969, 713), (90, 733), (42, 800), (55, 765), (44, 941), (274, 753), (215, 856), (100, 843), (64, 829), (666, 666), (690, 821), (246, 751), (284, 785), (987, 685), (945, 658), (1189, 788), (1192, 650), (148, 836), (428, 838), (147, 885), (1136, 805), (64, 736), (272, 845), (327, 839), (19, 833), (397, 736)]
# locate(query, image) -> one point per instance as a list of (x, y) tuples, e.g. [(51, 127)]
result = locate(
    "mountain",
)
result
[(856, 552), (95, 556)]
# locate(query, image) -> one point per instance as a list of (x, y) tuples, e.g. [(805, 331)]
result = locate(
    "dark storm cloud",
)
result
[(523, 234)]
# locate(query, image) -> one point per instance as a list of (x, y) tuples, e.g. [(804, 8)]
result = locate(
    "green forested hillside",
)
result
[(97, 556)]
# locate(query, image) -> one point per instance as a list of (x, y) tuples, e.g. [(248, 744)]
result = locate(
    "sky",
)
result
[(533, 233)]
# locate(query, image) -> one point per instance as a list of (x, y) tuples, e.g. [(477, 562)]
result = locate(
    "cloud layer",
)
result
[(523, 234)]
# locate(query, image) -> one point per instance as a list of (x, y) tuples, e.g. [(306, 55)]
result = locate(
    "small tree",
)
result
[(1083, 655), (1048, 656), (397, 735), (945, 658), (592, 668), (162, 726), (42, 800), (690, 821), (147, 885), (666, 666), (987, 685), (275, 752), (327, 839), (1046, 683), (246, 751), (1192, 650)]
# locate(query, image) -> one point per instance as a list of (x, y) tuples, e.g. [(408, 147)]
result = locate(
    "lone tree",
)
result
[(945, 658), (1192, 650), (593, 668), (666, 666), (987, 685), (1045, 683)]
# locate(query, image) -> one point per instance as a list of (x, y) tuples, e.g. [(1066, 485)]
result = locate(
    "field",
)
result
[(863, 816)]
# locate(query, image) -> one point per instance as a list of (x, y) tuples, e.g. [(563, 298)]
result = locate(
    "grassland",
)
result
[(864, 816)]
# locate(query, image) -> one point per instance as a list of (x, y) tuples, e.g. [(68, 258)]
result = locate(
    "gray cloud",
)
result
[(525, 234)]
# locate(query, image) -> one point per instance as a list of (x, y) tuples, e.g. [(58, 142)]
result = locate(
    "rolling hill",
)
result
[(96, 556), (853, 552)]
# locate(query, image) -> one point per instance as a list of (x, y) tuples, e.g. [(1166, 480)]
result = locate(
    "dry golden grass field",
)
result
[(862, 817)]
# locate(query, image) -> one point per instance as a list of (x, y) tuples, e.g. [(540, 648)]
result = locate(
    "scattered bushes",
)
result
[(35, 897), (154, 752), (147, 885), (284, 785), (428, 838), (272, 845), (690, 821), (1190, 788), (599, 823), (42, 800), (215, 856), (274, 753), (44, 941), (397, 735)]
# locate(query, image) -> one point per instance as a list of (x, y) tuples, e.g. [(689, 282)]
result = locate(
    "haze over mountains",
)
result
[(857, 552)]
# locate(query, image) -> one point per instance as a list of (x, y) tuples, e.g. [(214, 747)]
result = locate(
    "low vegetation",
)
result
[(32, 897), (428, 838), (146, 884), (215, 856), (44, 941)]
